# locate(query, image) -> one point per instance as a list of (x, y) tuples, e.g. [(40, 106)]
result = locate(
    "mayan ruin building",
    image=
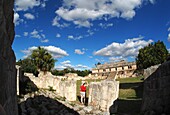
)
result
[(121, 69)]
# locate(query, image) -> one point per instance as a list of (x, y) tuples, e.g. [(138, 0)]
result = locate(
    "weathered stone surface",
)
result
[(103, 94), (156, 97), (8, 98), (65, 88), (42, 105)]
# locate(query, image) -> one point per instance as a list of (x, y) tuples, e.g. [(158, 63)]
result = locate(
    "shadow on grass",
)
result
[(129, 107), (138, 87), (41, 105)]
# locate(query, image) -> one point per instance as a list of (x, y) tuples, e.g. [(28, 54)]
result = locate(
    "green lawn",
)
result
[(130, 95), (87, 80), (130, 80)]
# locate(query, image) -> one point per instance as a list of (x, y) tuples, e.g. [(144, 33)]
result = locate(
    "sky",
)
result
[(81, 33)]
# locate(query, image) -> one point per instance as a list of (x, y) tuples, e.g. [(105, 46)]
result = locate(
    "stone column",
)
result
[(8, 97), (103, 94)]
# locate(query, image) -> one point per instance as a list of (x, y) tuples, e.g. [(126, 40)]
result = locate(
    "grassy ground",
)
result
[(130, 95), (87, 89)]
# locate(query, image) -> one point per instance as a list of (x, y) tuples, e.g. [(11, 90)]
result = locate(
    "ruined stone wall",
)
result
[(67, 89), (8, 98), (64, 88), (103, 94), (156, 97)]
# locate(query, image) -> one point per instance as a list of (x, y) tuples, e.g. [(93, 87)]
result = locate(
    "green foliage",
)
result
[(152, 54), (27, 65), (40, 59), (71, 70), (97, 64), (51, 88)]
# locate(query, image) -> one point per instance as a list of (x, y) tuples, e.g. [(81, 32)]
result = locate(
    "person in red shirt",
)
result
[(83, 93)]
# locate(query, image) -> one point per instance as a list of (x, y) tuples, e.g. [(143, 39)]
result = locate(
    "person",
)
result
[(83, 92)]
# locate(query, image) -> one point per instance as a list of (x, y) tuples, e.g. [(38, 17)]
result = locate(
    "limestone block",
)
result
[(103, 94)]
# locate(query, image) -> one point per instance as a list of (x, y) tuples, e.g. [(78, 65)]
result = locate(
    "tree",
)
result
[(97, 64), (42, 59), (152, 54), (27, 65), (39, 60)]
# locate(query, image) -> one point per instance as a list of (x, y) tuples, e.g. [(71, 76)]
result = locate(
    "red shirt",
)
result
[(83, 88)]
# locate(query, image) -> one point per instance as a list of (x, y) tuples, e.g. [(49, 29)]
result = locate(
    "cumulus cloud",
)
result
[(129, 48), (83, 12), (67, 64), (23, 5), (17, 19), (29, 16), (55, 51), (78, 51)]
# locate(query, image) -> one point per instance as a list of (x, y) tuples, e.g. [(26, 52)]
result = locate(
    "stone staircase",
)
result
[(112, 76)]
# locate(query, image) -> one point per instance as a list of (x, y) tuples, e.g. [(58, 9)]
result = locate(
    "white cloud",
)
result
[(78, 51), (25, 33), (169, 37), (116, 59), (29, 16), (106, 25), (169, 50), (58, 35), (55, 51), (152, 1), (74, 37), (35, 34), (80, 67), (83, 12), (17, 19), (67, 64), (129, 48), (39, 35), (45, 41), (169, 29), (55, 22), (23, 5), (17, 36)]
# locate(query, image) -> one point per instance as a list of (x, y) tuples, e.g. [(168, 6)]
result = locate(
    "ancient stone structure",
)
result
[(8, 97), (64, 88), (103, 94), (156, 97), (115, 70)]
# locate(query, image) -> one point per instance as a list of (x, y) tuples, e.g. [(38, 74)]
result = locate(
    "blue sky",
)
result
[(81, 33)]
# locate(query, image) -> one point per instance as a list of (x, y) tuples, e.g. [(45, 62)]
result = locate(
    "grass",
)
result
[(130, 95), (130, 80), (87, 89)]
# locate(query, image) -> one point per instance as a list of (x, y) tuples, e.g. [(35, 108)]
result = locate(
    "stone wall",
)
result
[(103, 94), (156, 97), (8, 97), (64, 88), (67, 89)]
